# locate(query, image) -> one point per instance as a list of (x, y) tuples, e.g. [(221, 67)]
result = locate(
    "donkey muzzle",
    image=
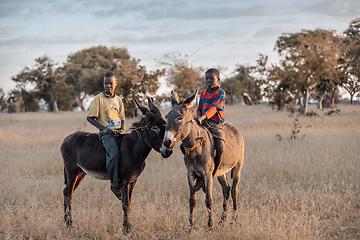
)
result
[(165, 152)]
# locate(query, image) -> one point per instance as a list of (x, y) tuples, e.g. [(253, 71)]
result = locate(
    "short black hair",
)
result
[(110, 74), (214, 71)]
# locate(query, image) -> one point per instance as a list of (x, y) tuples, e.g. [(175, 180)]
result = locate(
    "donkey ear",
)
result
[(174, 98), (143, 109), (190, 100), (153, 108)]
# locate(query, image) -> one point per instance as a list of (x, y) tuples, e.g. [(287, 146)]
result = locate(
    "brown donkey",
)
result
[(84, 154), (199, 154)]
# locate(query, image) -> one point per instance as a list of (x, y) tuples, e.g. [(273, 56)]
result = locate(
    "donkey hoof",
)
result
[(126, 229), (67, 219), (189, 229), (222, 220)]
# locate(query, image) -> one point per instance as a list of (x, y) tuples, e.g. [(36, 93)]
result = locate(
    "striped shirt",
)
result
[(212, 105)]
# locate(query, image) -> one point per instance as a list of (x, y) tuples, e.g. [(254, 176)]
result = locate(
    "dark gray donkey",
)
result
[(84, 154), (199, 154)]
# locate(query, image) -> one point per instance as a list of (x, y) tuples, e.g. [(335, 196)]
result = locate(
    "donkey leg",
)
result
[(73, 180), (126, 208), (208, 199), (192, 199), (131, 188), (226, 193), (236, 179), (80, 177), (67, 206)]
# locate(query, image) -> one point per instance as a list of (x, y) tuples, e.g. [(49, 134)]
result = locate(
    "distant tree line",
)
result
[(65, 87), (314, 64)]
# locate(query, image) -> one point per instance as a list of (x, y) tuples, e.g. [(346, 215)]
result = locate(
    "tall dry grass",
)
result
[(306, 188)]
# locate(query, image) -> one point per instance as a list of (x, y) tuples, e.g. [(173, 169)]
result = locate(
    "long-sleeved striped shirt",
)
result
[(212, 105)]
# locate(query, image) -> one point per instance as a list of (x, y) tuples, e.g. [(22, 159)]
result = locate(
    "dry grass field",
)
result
[(307, 188)]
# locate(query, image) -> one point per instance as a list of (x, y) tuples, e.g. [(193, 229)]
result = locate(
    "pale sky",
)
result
[(212, 32)]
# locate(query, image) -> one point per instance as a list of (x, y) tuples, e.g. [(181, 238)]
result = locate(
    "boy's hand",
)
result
[(109, 130), (200, 119), (115, 132), (118, 133)]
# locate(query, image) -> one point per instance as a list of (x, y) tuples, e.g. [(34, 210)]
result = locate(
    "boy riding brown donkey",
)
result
[(211, 114)]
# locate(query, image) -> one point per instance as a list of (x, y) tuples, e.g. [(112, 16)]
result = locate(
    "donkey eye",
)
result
[(179, 119), (155, 129)]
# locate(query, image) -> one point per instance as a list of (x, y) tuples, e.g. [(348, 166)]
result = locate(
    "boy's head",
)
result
[(212, 77), (110, 83)]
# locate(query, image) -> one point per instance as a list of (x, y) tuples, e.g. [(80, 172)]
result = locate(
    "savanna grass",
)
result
[(303, 188)]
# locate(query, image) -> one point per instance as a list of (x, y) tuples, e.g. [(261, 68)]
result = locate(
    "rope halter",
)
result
[(199, 140)]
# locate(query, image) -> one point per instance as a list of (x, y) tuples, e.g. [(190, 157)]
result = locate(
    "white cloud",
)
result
[(212, 32)]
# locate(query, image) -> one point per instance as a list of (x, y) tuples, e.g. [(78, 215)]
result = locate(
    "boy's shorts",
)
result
[(216, 129)]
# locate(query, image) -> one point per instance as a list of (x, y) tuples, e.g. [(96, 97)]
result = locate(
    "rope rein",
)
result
[(136, 129), (198, 141)]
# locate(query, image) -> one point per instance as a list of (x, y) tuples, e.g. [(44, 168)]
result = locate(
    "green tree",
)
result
[(350, 60), (273, 81), (279, 89), (21, 100), (3, 100), (242, 86), (85, 69), (308, 57), (136, 83), (180, 74), (46, 83)]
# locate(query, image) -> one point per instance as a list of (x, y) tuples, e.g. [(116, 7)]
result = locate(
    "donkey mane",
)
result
[(135, 124)]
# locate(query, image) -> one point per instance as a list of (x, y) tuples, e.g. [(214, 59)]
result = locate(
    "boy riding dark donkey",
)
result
[(107, 114)]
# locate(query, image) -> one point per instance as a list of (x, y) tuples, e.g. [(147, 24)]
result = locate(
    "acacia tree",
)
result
[(84, 70), (21, 100), (308, 57), (242, 86), (3, 100), (350, 60), (182, 76), (351, 80), (274, 82), (280, 89), (46, 83), (136, 83)]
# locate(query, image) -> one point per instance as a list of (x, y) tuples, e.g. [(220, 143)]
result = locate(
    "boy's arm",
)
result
[(106, 129), (93, 122), (200, 118), (207, 115), (210, 112)]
